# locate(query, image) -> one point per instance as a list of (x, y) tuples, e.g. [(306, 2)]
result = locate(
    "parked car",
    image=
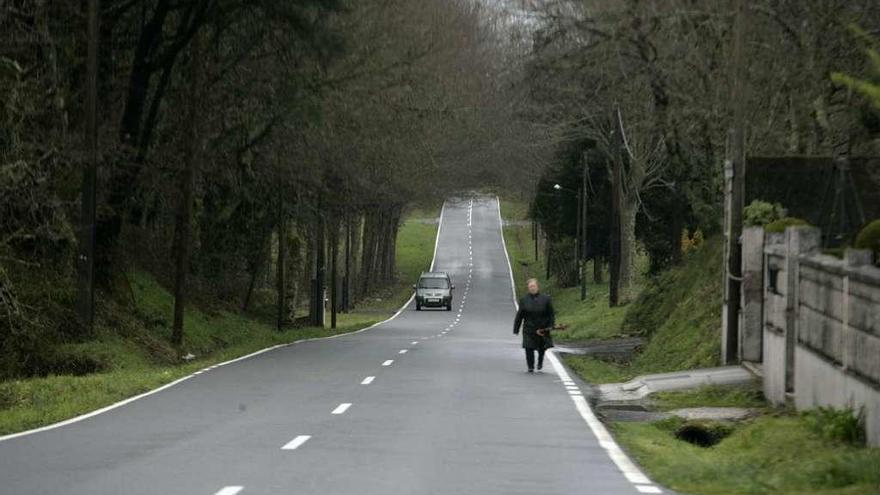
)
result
[(434, 289)]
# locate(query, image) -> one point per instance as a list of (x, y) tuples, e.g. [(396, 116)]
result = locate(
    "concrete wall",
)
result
[(821, 326)]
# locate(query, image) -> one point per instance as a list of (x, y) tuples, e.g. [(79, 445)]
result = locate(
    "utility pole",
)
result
[(734, 174), (86, 255)]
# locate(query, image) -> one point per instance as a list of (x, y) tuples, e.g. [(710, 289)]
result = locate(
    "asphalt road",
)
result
[(430, 402)]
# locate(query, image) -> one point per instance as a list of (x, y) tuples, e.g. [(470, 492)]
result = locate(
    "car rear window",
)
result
[(433, 283)]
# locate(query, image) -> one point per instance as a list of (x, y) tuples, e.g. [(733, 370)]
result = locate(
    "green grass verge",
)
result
[(135, 356), (749, 396), (679, 312), (774, 454)]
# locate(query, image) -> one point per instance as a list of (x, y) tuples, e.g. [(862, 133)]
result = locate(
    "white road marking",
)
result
[(414, 342), (388, 363), (224, 363), (626, 466), (617, 455), (296, 442), (368, 380), (341, 408), (648, 489), (402, 351), (229, 490)]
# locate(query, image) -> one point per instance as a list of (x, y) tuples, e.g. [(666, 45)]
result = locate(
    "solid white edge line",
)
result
[(229, 490), (296, 442), (341, 408), (437, 237), (617, 455), (81, 417), (648, 489)]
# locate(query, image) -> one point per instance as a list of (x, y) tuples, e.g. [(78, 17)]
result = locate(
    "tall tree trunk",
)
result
[(86, 258), (346, 278), (320, 271), (356, 258), (281, 305), (256, 267), (334, 259), (628, 210), (184, 211), (369, 260), (614, 258)]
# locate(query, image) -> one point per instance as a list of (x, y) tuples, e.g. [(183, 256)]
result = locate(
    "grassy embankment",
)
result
[(590, 319), (136, 357), (779, 452)]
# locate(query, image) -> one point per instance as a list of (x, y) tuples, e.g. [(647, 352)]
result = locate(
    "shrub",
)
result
[(840, 425), (759, 213), (691, 243), (783, 223), (869, 238)]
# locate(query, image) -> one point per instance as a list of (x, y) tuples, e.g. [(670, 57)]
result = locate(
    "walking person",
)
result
[(537, 319)]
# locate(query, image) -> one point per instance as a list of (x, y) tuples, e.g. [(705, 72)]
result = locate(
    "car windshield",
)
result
[(433, 283)]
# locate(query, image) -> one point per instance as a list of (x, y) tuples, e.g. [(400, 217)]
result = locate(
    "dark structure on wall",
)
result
[(838, 196)]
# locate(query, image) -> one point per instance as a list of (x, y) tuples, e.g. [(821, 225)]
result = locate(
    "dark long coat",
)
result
[(535, 312)]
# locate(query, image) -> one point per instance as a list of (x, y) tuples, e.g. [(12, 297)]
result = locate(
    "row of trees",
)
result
[(242, 145), (644, 93)]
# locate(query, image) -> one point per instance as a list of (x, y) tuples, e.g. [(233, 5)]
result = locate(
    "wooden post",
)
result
[(86, 256), (735, 169)]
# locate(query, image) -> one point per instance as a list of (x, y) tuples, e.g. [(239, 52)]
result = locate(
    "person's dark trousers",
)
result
[(530, 358)]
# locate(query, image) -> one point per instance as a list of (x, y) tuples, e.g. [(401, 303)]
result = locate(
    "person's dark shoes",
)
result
[(531, 370), (540, 367)]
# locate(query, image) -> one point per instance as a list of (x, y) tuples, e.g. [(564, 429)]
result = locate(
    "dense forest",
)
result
[(240, 144)]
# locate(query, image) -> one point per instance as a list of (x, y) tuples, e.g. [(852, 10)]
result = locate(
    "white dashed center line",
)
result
[(388, 363), (341, 408), (296, 442), (229, 490), (368, 380), (402, 351)]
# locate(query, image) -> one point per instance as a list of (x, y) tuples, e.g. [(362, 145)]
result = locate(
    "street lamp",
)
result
[(580, 237)]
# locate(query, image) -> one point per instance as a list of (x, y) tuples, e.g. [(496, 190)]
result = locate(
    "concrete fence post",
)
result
[(852, 258), (752, 315), (799, 241)]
